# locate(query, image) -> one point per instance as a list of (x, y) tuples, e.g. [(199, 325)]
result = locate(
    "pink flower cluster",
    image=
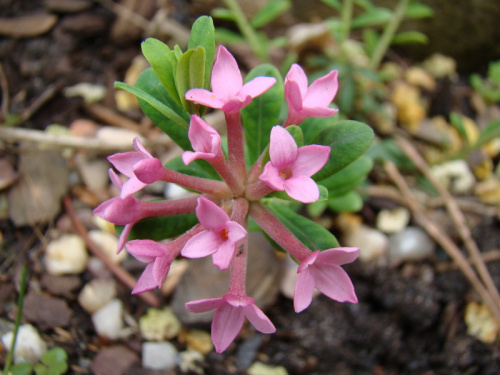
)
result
[(223, 207)]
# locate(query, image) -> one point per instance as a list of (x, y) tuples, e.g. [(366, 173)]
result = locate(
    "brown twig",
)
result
[(119, 272), (111, 117), (442, 239), (456, 215), (4, 85), (488, 256)]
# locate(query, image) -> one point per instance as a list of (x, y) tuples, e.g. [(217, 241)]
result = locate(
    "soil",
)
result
[(409, 319)]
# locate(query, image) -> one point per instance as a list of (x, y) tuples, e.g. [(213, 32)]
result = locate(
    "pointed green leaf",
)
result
[(269, 12), (203, 35), (263, 112), (198, 168), (190, 74), (335, 4), (407, 37), (225, 36), (223, 14), (348, 178), (297, 134), (350, 202), (163, 62), (163, 227), (316, 209), (418, 10), (375, 17), (311, 234), (491, 131), (348, 141), (170, 117), (312, 126)]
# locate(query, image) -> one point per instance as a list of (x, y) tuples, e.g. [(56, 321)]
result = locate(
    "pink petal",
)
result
[(149, 170), (161, 268), (235, 231), (204, 305), (293, 98), (131, 186), (224, 255), (304, 290), (204, 97), (307, 112), (302, 189), (258, 319), (140, 148), (322, 91), (145, 250), (124, 161), (310, 159), (236, 103), (256, 86), (115, 179), (210, 215), (282, 148), (226, 325), (119, 211), (226, 76), (123, 237), (271, 177), (339, 255), (333, 282), (203, 137), (202, 244), (296, 74), (146, 281)]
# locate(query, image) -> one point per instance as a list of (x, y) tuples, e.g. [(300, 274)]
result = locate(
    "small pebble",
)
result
[(90, 93), (94, 173), (455, 175), (66, 255), (108, 242), (96, 294), (189, 361), (108, 320), (117, 136), (393, 221), (199, 340), (259, 368), (373, 243), (481, 323), (411, 244), (159, 325), (159, 355), (29, 345)]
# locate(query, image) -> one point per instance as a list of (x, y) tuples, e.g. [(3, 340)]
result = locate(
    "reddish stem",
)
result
[(239, 263), (236, 144)]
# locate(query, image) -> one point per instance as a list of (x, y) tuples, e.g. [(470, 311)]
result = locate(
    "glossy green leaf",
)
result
[(149, 83), (297, 134), (162, 227), (316, 209), (223, 14), (311, 234), (418, 10), (312, 126), (263, 112), (163, 62), (269, 12), (348, 178), (348, 141), (375, 17), (203, 35), (407, 37), (350, 202), (22, 368), (190, 74)]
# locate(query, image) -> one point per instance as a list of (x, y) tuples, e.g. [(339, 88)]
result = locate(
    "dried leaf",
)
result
[(27, 26)]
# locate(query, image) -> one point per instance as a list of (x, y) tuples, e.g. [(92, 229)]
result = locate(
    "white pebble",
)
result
[(411, 244), (91, 93), (159, 325), (29, 345), (159, 355), (108, 320), (189, 361), (66, 255), (373, 243), (108, 242), (393, 221), (174, 191), (455, 175), (96, 294)]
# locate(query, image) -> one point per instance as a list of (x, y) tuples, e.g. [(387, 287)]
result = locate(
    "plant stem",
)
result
[(239, 263), (236, 144), (346, 15), (20, 301), (388, 34), (247, 30)]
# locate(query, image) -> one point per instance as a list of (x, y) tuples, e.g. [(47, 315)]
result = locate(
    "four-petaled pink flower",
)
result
[(228, 92), (205, 140), (158, 257), (312, 101), (220, 237), (291, 168), (230, 313), (124, 162), (322, 270)]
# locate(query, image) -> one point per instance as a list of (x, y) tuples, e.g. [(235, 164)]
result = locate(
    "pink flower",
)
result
[(322, 270), (229, 93), (291, 168), (312, 101), (205, 140), (230, 313), (125, 162), (219, 239), (158, 256)]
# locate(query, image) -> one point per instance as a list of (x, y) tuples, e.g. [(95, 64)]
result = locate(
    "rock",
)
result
[(27, 26), (29, 345), (66, 255), (113, 360), (108, 243), (46, 311), (108, 320), (67, 6), (94, 173), (455, 175), (159, 355), (158, 325), (259, 368), (440, 66), (411, 244), (198, 340), (481, 323), (96, 294), (189, 362), (61, 285), (90, 93), (393, 221), (83, 128), (418, 77), (373, 243)]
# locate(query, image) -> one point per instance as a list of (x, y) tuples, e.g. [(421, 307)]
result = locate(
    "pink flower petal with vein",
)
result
[(339, 255), (204, 97), (310, 159), (210, 215), (333, 282), (145, 250), (204, 305), (271, 176), (256, 86), (224, 255), (322, 91), (258, 319), (282, 147), (226, 325), (304, 290), (302, 189), (226, 76), (146, 281), (202, 244)]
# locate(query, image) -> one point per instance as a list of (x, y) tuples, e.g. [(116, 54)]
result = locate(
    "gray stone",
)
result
[(412, 244)]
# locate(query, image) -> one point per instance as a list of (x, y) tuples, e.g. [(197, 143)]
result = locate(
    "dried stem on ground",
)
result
[(4, 86), (119, 272), (442, 239)]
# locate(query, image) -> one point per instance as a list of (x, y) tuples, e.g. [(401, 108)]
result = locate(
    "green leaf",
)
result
[(225, 36), (22, 368), (491, 131), (350, 202), (54, 355), (348, 178), (312, 126), (389, 150), (203, 35), (163, 62), (348, 141), (375, 17), (223, 14), (418, 10), (371, 39), (408, 37), (263, 112), (198, 168), (316, 209), (269, 12), (335, 4), (457, 121), (162, 227), (297, 134), (148, 82), (311, 234), (190, 74)]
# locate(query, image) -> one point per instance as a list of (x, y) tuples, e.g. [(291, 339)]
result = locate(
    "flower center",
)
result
[(223, 234), (286, 173)]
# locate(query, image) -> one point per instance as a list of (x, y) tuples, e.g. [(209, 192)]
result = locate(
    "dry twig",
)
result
[(4, 85)]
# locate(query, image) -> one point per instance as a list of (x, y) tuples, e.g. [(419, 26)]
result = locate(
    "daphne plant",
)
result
[(268, 170)]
